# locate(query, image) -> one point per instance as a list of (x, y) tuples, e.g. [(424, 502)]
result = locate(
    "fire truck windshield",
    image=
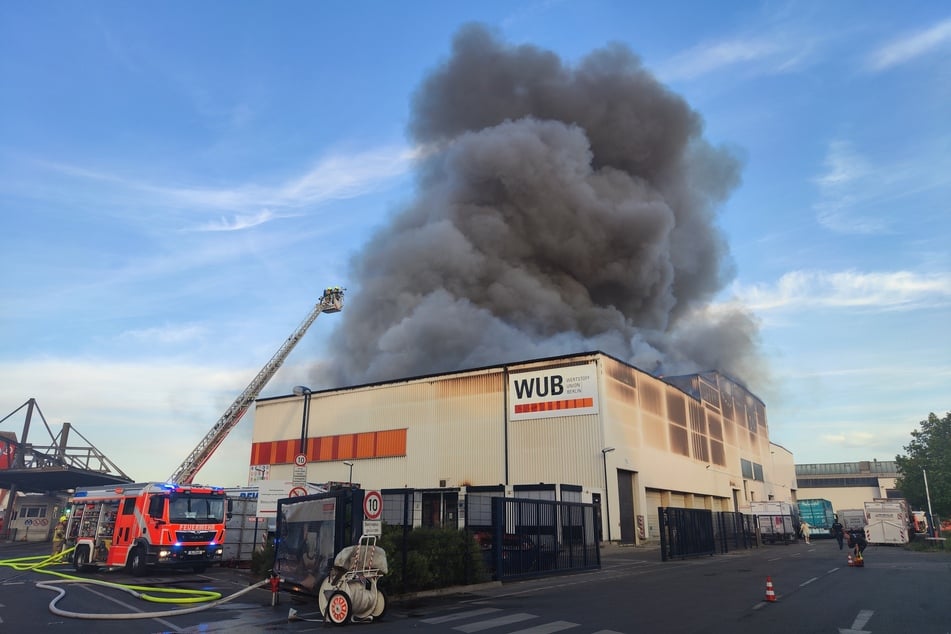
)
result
[(196, 509)]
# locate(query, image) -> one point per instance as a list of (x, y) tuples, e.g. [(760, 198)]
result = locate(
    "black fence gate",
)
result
[(685, 532), (538, 537), (697, 532)]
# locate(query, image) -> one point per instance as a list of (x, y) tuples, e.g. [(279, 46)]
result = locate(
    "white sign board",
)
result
[(565, 391), (270, 491), (373, 527)]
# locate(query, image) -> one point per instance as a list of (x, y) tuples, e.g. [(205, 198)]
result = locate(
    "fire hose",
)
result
[(39, 564)]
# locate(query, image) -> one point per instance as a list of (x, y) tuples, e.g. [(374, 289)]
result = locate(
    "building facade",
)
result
[(585, 427), (848, 485)]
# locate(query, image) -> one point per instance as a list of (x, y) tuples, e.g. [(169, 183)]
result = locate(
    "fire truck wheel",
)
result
[(137, 562), (339, 608), (81, 559)]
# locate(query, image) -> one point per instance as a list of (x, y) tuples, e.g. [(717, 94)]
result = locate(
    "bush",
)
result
[(435, 558)]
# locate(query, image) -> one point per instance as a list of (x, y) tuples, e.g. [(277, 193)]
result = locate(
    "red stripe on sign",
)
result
[(550, 406)]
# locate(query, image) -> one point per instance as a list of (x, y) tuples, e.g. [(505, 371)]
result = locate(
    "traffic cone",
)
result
[(851, 563), (770, 594), (860, 560)]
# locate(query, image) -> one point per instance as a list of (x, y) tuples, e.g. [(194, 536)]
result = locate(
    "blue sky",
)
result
[(179, 181)]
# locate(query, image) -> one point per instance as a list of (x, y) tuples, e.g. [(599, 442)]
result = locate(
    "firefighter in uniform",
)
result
[(59, 535)]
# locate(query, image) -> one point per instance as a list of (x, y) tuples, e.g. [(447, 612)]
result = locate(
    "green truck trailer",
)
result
[(819, 515)]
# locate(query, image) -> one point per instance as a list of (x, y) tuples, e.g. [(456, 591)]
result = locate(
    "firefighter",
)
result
[(59, 535)]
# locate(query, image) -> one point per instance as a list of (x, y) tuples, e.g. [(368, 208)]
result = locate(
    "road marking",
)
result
[(547, 628), (806, 583), (831, 571), (860, 620), (460, 615), (497, 622)]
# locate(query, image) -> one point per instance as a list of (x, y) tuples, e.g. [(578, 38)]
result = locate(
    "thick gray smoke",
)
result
[(559, 210)]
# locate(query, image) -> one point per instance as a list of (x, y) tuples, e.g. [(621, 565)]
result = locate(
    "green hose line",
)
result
[(146, 593), (125, 616)]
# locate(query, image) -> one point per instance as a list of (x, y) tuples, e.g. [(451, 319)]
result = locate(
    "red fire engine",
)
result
[(147, 524)]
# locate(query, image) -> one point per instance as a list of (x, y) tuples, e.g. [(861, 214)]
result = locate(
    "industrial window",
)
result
[(814, 483), (479, 508), (570, 493), (32, 511), (678, 440), (650, 396), (394, 503), (715, 427), (746, 468), (717, 455), (700, 447), (709, 394), (758, 472), (676, 411)]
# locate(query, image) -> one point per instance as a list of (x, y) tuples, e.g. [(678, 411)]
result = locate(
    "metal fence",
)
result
[(516, 537), (699, 532), (538, 537)]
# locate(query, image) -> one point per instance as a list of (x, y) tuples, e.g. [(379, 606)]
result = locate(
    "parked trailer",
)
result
[(852, 519), (778, 522), (818, 514), (887, 523)]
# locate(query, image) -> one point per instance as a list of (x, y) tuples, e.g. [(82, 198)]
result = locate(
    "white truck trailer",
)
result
[(778, 522), (852, 519), (886, 522)]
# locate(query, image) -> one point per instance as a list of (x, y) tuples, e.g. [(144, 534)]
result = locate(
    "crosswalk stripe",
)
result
[(460, 615), (547, 628), (496, 622)]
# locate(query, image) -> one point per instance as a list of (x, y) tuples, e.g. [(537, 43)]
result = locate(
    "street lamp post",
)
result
[(607, 497), (349, 477), (931, 527), (301, 390)]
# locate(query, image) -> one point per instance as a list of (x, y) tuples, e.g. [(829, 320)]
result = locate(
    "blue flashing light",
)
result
[(81, 494)]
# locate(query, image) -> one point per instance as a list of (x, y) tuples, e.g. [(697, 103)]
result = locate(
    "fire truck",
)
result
[(174, 523), (147, 524)]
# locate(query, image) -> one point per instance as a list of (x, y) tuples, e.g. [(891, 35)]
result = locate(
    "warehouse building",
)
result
[(849, 485), (584, 427)]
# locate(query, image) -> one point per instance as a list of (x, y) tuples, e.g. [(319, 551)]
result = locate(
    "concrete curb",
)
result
[(439, 592)]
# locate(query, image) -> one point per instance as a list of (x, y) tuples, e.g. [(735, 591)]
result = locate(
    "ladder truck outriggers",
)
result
[(174, 523)]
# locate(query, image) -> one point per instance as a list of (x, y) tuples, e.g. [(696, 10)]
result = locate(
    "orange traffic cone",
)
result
[(770, 594), (859, 560), (851, 563)]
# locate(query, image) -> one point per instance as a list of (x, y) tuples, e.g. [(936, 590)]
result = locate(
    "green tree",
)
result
[(929, 450)]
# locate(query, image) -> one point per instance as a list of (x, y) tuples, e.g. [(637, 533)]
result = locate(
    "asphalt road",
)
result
[(897, 591)]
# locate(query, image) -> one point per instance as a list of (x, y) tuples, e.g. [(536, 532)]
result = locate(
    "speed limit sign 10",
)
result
[(372, 505)]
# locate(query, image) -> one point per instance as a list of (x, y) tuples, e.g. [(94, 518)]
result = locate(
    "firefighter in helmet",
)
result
[(59, 535)]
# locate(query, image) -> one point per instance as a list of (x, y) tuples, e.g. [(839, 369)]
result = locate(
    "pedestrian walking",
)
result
[(804, 529), (838, 531)]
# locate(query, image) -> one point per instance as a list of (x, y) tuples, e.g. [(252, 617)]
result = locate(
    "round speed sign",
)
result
[(372, 505)]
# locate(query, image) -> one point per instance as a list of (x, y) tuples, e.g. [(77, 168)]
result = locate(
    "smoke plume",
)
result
[(558, 210)]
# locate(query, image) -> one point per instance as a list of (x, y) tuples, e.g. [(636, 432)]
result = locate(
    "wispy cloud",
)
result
[(167, 334), (910, 47), (759, 54), (333, 177), (840, 204), (239, 222), (807, 290)]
